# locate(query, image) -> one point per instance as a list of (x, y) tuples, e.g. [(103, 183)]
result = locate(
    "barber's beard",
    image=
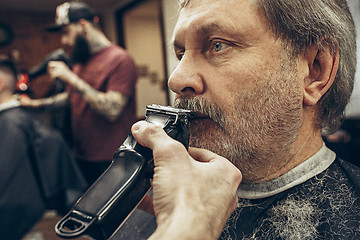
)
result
[(81, 51), (259, 130)]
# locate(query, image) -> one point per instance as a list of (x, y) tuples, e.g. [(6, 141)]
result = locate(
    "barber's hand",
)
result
[(194, 192), (26, 101), (59, 70)]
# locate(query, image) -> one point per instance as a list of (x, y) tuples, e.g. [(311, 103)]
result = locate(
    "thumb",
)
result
[(154, 137), (148, 134)]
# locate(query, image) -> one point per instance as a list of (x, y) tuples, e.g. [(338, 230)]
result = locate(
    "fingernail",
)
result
[(137, 126)]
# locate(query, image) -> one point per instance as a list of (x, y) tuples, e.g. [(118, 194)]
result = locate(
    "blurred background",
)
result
[(143, 27)]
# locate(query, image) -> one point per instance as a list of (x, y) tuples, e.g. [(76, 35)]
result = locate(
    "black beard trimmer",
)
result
[(106, 205)]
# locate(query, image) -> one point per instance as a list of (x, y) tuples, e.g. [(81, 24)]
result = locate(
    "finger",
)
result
[(51, 64), (206, 156), (217, 163), (152, 136), (23, 97), (146, 133), (25, 100), (202, 155), (164, 148)]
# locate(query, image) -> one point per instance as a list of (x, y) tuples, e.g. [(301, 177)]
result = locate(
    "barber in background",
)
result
[(100, 88)]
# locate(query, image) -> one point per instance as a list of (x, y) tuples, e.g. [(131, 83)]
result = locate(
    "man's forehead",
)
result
[(218, 8), (218, 15), (186, 3)]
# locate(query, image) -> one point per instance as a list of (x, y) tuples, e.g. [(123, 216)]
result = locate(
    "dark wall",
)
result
[(33, 43)]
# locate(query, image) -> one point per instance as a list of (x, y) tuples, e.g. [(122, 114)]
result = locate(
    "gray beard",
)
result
[(261, 128), (250, 136)]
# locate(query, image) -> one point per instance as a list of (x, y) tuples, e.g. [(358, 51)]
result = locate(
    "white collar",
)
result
[(301, 173), (9, 104)]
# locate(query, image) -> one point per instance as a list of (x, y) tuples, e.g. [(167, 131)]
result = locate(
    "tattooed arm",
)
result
[(109, 104), (58, 100)]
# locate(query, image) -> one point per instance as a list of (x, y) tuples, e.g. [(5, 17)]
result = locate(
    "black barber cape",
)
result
[(327, 206), (37, 172), (319, 199)]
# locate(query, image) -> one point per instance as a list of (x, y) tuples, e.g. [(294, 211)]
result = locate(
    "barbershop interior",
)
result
[(45, 182), (142, 27)]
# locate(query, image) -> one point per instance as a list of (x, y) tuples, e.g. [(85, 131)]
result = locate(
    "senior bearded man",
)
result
[(267, 79)]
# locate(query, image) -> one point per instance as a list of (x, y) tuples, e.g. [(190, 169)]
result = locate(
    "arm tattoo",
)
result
[(109, 104), (57, 101)]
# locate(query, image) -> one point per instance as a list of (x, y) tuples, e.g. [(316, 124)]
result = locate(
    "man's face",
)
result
[(69, 34), (244, 85), (72, 38)]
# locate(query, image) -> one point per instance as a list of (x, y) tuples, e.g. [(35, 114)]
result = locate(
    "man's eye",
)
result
[(179, 55), (218, 46)]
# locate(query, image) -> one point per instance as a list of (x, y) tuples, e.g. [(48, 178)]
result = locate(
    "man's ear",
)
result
[(323, 65), (84, 26)]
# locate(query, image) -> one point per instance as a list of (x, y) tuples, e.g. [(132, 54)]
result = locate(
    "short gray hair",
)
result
[(303, 23)]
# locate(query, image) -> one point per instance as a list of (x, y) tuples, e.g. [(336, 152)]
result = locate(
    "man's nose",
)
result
[(187, 79)]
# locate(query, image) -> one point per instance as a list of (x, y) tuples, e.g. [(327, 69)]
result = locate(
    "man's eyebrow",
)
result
[(175, 44), (208, 28), (201, 31)]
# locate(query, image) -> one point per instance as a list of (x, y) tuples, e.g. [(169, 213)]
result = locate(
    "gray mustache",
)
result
[(202, 108)]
